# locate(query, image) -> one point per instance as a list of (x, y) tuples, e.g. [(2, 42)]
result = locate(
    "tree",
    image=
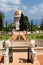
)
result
[(41, 26), (23, 22), (26, 22), (35, 28), (11, 26), (31, 25), (4, 28), (1, 20)]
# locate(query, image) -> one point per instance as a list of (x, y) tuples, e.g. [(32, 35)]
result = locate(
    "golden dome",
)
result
[(18, 12)]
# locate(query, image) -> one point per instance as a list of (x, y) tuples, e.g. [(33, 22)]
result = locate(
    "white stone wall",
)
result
[(1, 44), (17, 24)]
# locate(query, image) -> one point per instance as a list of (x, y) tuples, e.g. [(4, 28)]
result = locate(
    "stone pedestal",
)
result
[(32, 43), (6, 56)]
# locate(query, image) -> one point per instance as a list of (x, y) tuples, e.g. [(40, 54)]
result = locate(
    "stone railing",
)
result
[(2, 50), (39, 50)]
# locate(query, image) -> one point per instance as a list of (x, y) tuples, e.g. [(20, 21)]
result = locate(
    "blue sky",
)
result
[(31, 8)]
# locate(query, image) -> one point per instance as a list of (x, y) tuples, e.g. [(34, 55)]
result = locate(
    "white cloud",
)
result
[(5, 7), (41, 5), (16, 1), (3, 1), (36, 9), (33, 10), (36, 12), (11, 1), (24, 7)]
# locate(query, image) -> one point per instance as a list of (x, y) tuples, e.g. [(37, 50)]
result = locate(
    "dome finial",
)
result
[(18, 12)]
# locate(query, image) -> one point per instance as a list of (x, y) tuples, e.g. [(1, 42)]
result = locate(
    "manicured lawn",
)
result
[(35, 36), (30, 36), (3, 37)]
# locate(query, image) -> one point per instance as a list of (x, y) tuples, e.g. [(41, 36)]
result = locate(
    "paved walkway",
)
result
[(40, 58), (20, 58)]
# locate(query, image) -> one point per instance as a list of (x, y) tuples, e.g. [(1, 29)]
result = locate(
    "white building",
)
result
[(17, 16)]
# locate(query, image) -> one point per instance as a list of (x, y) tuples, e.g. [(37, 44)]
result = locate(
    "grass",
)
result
[(30, 36), (3, 37), (35, 36)]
